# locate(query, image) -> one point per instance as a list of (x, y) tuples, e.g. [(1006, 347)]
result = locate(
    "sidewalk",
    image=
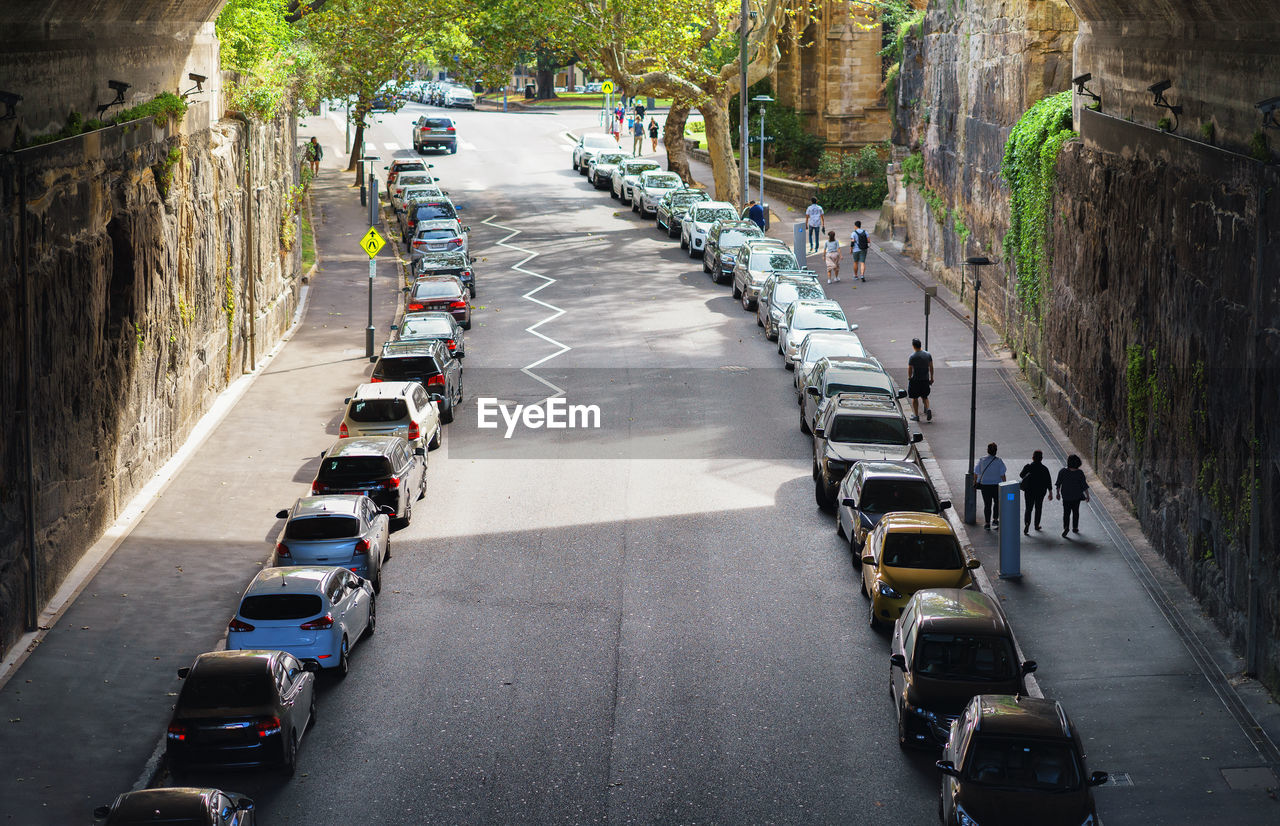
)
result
[(1159, 696), (80, 717)]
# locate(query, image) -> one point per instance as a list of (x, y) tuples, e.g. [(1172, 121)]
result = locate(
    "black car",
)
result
[(723, 240), (443, 294), (435, 209), (674, 205), (387, 469), (457, 264), (430, 327), (184, 805), (429, 364), (241, 708)]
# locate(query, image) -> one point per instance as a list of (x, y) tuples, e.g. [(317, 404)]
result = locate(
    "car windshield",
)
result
[(731, 238), (706, 216), (433, 212), (972, 657), (606, 158), (772, 260), (355, 468), (280, 606), (819, 318), (225, 691), (887, 495), (1039, 765), (856, 381), (436, 289), (930, 551), (406, 367), (322, 527), (598, 141), (426, 328), (820, 348), (868, 430), (664, 181), (809, 291), (377, 410), (407, 180), (637, 168)]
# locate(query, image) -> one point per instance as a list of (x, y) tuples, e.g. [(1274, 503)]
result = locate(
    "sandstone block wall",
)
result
[(146, 248)]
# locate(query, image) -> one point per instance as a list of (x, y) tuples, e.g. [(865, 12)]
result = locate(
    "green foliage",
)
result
[(1259, 149), (274, 61), (1164, 125), (163, 107), (1208, 131), (913, 169), (962, 229), (1030, 167), (164, 171), (854, 180)]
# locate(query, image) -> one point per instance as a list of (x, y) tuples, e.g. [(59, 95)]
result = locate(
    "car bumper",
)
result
[(267, 751), (751, 290), (697, 242), (887, 609)]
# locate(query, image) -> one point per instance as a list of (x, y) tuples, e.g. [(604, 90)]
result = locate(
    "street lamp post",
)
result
[(762, 100), (373, 220), (743, 32), (970, 492)]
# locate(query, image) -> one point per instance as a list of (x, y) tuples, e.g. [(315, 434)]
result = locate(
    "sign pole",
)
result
[(368, 331)]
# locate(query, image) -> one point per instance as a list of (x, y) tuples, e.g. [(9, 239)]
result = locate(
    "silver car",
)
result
[(804, 317), (627, 174), (433, 325), (822, 345), (587, 147), (696, 223), (392, 408), (777, 293), (600, 167), (348, 531), (439, 236), (758, 258), (830, 377), (649, 190)]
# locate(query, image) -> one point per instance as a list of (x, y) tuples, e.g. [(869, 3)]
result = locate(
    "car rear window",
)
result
[(280, 606), (608, 158), (436, 234), (436, 123), (355, 468), (406, 367), (806, 292), (886, 495), (735, 237), (436, 289), (857, 381), (409, 167), (598, 141), (413, 178), (784, 294), (425, 328), (433, 212), (668, 179), (772, 261), (377, 410), (971, 657), (322, 527), (225, 691), (637, 168), (868, 430), (932, 551)]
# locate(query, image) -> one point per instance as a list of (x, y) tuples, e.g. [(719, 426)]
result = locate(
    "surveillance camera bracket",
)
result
[(119, 98), (9, 99), (1083, 90)]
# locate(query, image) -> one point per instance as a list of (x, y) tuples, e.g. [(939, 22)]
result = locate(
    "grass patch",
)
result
[(308, 237)]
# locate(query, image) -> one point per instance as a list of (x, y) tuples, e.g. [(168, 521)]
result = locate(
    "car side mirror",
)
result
[(460, 355), (347, 400), (282, 514), (435, 179), (812, 390), (973, 564), (947, 767), (945, 504), (853, 327), (848, 502), (183, 672), (404, 290), (101, 812), (466, 229), (902, 394), (917, 437), (386, 167), (244, 804), (431, 166), (313, 667), (898, 661), (1098, 778), (868, 559), (1029, 667), (819, 432), (417, 451), (386, 510)]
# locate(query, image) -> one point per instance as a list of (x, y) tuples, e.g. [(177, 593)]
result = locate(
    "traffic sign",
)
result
[(607, 87), (372, 242)]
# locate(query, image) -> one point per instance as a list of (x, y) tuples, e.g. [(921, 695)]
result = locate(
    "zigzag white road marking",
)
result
[(533, 328)]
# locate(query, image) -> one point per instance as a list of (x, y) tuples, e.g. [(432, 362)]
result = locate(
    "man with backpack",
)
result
[(859, 243)]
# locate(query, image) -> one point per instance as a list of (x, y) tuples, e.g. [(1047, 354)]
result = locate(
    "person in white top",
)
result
[(817, 224), (833, 257), (988, 473)]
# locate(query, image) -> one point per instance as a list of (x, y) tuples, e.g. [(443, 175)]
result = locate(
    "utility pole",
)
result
[(743, 135)]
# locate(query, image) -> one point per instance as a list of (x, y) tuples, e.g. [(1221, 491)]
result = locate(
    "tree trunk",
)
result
[(353, 165), (546, 84), (673, 139), (724, 167)]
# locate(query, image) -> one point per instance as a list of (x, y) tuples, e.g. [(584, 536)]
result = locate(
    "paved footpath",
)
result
[(78, 718)]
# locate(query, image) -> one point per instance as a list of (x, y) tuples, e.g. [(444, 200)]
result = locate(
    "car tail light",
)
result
[(451, 129), (451, 343), (237, 625), (318, 487), (362, 547), (466, 274), (177, 731), (435, 380), (393, 482), (455, 242), (318, 624), (416, 305), (282, 550), (457, 305), (414, 431), (374, 380), (342, 431), (419, 243), (267, 726)]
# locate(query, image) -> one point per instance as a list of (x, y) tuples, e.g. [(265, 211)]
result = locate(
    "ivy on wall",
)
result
[(1030, 166), (163, 108)]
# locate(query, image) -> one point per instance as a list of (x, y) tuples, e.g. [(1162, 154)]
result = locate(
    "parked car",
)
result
[(350, 531), (600, 167), (429, 364), (594, 88), (696, 223), (392, 408), (435, 132), (832, 377), (404, 165), (627, 174), (778, 291), (416, 193), (441, 293), (439, 236), (314, 612), (673, 207), (873, 488), (853, 428), (824, 344), (649, 190), (459, 97), (949, 645), (240, 709), (436, 209), (384, 468), (181, 805), (419, 181), (907, 552), (433, 326), (805, 317), (756, 259), (456, 264), (720, 252), (1011, 759), (587, 147)]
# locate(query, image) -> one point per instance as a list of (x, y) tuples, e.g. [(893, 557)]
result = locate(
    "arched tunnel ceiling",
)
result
[(1177, 11), (56, 19)]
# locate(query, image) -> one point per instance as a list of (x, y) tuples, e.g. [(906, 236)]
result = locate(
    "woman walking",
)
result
[(1073, 489), (653, 133), (1035, 484), (833, 257)]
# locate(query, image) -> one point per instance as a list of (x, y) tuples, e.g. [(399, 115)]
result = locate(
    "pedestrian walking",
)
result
[(637, 137), (988, 473), (653, 132), (314, 153), (1035, 485), (1072, 489), (919, 378), (859, 243), (816, 222), (833, 257), (639, 110), (755, 213)]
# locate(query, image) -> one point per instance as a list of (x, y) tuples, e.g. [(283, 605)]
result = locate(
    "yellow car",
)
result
[(908, 552)]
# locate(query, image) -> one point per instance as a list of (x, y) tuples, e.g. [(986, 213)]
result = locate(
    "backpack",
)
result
[(863, 241)]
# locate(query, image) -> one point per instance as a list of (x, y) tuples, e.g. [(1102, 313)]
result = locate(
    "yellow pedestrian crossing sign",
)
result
[(372, 242), (607, 87)]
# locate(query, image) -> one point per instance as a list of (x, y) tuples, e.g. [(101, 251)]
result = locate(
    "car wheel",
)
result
[(804, 424), (705, 268), (671, 232), (344, 658), (862, 586), (737, 293), (434, 444), (759, 323), (902, 729), (373, 618), (746, 302), (874, 623), (466, 325), (408, 513), (824, 499), (311, 712), (634, 206), (446, 414), (289, 763), (377, 580), (453, 150), (386, 554), (839, 523)]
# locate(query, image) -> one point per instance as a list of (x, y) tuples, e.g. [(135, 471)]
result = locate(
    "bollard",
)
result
[(1010, 505), (801, 243)]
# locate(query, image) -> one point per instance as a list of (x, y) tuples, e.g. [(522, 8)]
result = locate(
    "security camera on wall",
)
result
[(1268, 108), (1158, 89)]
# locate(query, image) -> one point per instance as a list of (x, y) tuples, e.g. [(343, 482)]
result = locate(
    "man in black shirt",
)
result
[(919, 379), (1035, 484)]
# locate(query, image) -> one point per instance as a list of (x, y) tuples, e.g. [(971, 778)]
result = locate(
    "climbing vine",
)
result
[(1030, 166)]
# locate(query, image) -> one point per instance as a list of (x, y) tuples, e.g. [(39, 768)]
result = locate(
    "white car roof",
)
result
[(701, 205), (382, 390)]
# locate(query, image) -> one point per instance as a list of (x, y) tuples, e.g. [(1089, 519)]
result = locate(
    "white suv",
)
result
[(393, 408), (694, 226)]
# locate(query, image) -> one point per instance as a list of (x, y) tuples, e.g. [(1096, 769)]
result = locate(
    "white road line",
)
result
[(392, 147), (467, 145), (533, 328)]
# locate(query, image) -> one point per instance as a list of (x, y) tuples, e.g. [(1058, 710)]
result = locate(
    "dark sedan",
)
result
[(674, 205), (440, 293), (723, 240), (428, 363), (241, 708), (181, 805), (436, 209), (387, 469)]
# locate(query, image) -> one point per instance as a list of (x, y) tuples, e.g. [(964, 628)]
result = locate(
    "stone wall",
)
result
[(144, 265)]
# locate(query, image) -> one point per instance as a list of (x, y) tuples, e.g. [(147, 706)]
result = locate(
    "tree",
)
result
[(274, 62)]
